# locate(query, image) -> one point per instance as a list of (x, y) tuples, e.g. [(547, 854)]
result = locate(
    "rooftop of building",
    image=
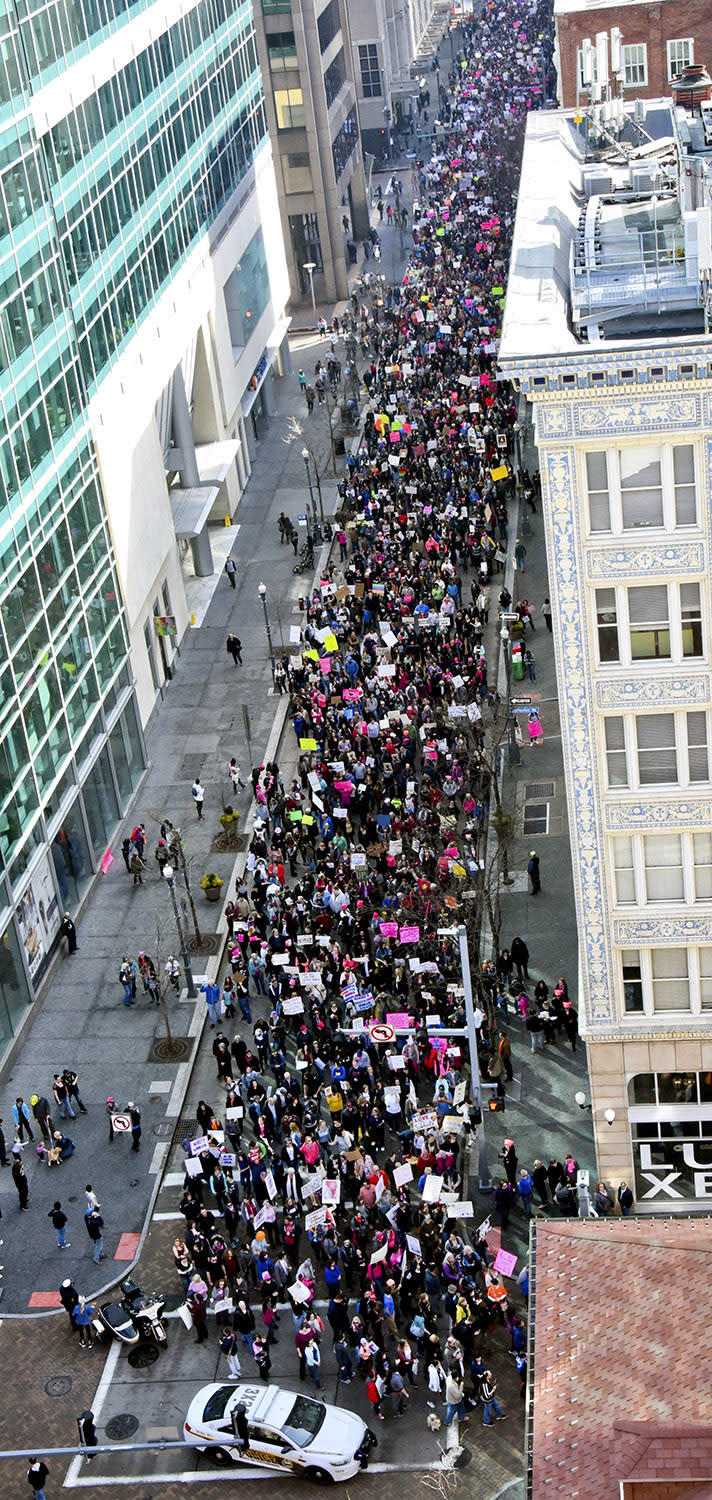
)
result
[(569, 7), (613, 238), (621, 1376)]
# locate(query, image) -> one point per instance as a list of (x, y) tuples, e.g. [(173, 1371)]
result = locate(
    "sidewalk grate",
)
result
[(539, 789)]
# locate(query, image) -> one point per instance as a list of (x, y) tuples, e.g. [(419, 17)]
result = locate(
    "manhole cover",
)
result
[(169, 1049), (123, 1426), (163, 1130), (140, 1358), (234, 845), (58, 1385)]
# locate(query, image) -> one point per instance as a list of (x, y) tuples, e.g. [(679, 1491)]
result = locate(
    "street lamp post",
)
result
[(169, 875), (471, 1018), (514, 757), (305, 456), (262, 591), (310, 267)]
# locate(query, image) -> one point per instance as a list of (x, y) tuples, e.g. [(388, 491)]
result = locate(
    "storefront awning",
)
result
[(190, 509)]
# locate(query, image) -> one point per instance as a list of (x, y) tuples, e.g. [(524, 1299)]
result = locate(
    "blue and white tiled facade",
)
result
[(635, 945)]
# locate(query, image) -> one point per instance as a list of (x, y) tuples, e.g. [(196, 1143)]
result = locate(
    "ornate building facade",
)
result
[(605, 334)]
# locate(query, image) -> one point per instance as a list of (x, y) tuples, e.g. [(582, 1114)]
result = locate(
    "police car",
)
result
[(286, 1431)]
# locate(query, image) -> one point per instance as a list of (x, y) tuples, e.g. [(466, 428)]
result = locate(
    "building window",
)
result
[(657, 753), (345, 142), (661, 981), (328, 25), (282, 51), (334, 78), (663, 868), (579, 68), (632, 981), (370, 70), (607, 622), (599, 503), (670, 979), (680, 54), (643, 486), (296, 171), (691, 614), (289, 108), (635, 65), (624, 872), (697, 755), (616, 757), (649, 622), (148, 638)]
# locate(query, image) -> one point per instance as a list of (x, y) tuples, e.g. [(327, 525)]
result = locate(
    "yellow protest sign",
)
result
[(500, 473), (331, 643), (307, 745)]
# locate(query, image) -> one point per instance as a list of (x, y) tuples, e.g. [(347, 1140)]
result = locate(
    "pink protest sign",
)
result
[(325, 664), (351, 695), (399, 1019), (409, 934), (389, 929), (505, 1262)]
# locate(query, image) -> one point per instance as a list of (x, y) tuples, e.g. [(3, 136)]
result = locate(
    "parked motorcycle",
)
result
[(137, 1318)]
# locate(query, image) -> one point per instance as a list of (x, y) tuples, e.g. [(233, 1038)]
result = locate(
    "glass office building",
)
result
[(99, 203)]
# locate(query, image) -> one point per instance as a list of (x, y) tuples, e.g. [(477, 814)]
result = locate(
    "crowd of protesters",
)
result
[(334, 1160)]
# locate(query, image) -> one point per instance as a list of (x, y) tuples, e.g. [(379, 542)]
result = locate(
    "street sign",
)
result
[(519, 710), (121, 1122), (520, 700), (382, 1032)]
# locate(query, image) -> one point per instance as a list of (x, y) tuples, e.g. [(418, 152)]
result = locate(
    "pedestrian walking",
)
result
[(546, 611), (301, 377), (263, 1358), (135, 1113), (91, 1199), (37, 1475), (69, 931), (533, 872), (136, 867), (95, 1230), (198, 1307), (488, 1393), (234, 648), (520, 954), (21, 1119), (59, 1222), (41, 1112), (128, 980), (310, 395), (111, 1111), (198, 795), (21, 1183), (212, 1000), (234, 776), (520, 553), (530, 665), (61, 1098), (69, 1297), (231, 570), (525, 1188), (3, 1146), (71, 1083), (83, 1314), (313, 1359), (509, 1156), (228, 1347)]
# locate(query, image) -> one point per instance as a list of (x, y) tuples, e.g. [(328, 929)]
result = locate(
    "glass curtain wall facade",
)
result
[(95, 214)]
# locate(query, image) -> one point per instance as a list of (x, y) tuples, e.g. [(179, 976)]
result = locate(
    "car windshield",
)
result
[(215, 1407), (304, 1421)]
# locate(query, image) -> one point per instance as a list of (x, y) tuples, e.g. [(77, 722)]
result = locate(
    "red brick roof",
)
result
[(622, 1364)]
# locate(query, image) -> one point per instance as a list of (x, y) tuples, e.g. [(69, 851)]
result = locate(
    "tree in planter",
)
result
[(174, 844), (318, 440)]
